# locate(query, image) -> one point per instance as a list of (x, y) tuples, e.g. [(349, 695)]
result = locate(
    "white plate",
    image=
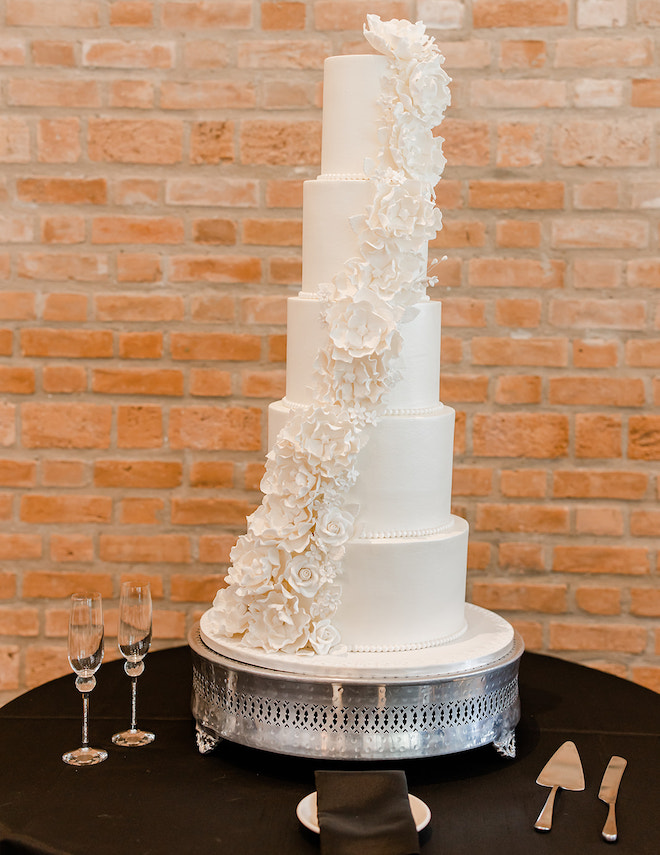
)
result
[(307, 812)]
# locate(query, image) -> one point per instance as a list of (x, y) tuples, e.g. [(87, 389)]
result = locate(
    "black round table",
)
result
[(168, 798)]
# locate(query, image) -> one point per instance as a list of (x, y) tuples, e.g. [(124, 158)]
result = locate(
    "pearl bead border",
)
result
[(405, 648), (390, 535)]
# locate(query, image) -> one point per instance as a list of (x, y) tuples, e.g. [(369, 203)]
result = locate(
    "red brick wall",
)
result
[(152, 157)]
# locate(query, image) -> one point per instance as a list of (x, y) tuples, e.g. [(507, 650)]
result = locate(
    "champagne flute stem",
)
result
[(85, 721), (133, 703)]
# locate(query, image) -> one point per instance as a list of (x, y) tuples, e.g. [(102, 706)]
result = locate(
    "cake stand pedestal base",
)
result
[(354, 719)]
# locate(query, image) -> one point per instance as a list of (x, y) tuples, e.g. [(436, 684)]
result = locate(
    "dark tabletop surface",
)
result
[(168, 798)]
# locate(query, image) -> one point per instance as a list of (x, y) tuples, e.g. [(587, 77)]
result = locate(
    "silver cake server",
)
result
[(563, 769), (609, 789)]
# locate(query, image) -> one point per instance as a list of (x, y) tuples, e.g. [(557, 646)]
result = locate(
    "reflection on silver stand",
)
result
[(354, 719)]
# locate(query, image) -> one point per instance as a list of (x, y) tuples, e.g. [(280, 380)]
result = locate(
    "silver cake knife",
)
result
[(609, 789)]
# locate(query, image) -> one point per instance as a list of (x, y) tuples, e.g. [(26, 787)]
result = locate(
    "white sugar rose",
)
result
[(428, 90), (253, 571), (290, 476), (362, 381), (229, 614), (400, 39), (305, 574), (396, 275), (334, 527), (403, 211), (323, 637), (330, 444), (278, 524), (354, 275), (278, 623), (360, 328), (416, 151)]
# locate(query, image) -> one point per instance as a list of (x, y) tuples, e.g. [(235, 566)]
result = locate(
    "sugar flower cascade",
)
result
[(284, 583)]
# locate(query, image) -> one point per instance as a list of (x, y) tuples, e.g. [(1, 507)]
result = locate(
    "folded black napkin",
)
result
[(365, 813)]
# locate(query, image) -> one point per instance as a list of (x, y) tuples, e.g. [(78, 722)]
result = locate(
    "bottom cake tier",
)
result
[(398, 594), (403, 593)]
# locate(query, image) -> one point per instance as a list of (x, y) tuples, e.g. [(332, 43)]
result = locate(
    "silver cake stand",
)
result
[(354, 719)]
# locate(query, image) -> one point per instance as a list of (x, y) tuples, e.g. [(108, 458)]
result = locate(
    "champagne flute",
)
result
[(134, 638), (85, 657)]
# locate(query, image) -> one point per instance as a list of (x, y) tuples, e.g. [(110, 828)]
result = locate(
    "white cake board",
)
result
[(485, 638), (376, 706)]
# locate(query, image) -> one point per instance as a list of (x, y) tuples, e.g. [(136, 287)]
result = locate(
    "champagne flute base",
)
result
[(85, 756), (133, 738)]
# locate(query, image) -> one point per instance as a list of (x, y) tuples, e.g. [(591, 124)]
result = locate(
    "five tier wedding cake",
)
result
[(354, 560)]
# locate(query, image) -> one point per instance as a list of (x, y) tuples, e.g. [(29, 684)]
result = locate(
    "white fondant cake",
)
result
[(354, 550)]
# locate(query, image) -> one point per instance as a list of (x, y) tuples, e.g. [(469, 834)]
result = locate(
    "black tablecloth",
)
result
[(168, 798)]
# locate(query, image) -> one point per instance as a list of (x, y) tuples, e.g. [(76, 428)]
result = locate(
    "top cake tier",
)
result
[(351, 114)]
